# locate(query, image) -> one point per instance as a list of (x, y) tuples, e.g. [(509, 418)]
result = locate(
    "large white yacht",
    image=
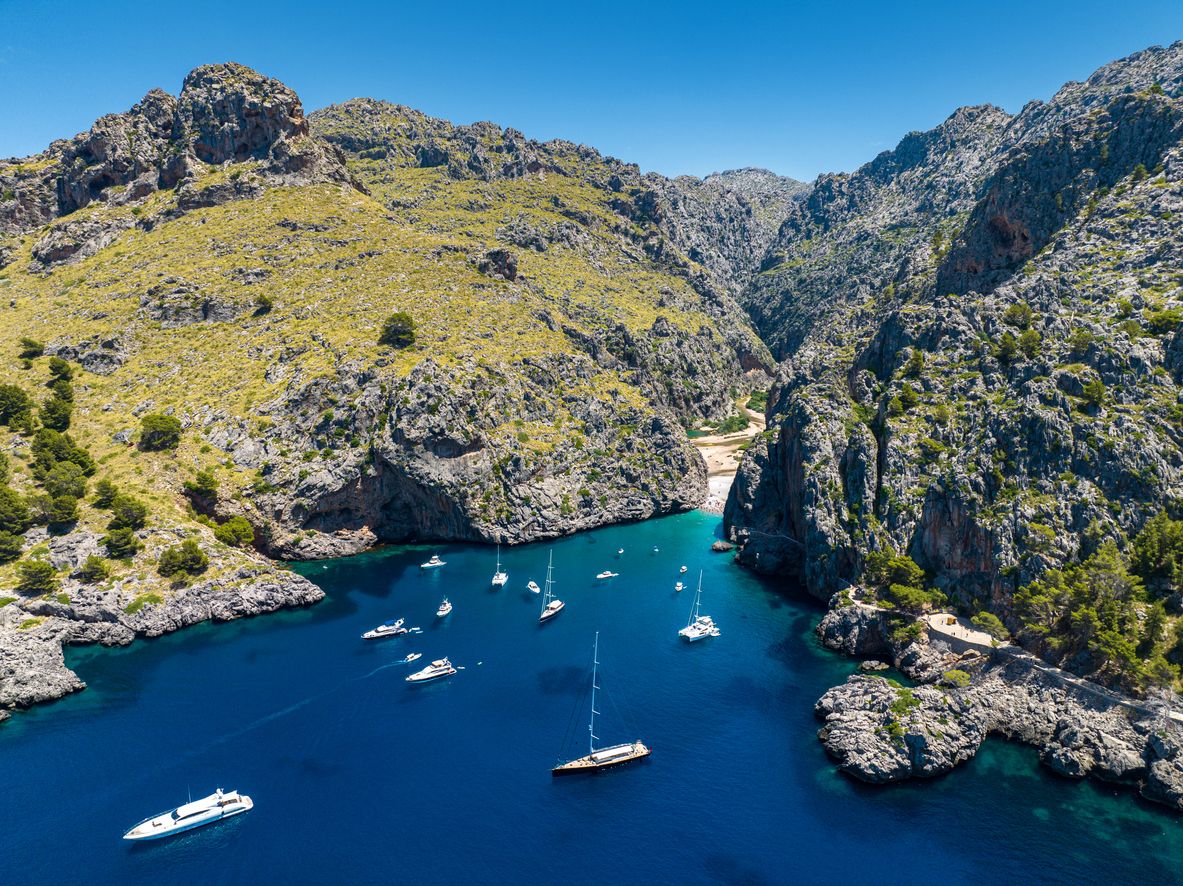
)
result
[(434, 563), (445, 608), (386, 629), (700, 626), (437, 670), (218, 805), (499, 577)]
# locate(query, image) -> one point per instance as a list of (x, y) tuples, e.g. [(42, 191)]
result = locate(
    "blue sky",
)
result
[(678, 88)]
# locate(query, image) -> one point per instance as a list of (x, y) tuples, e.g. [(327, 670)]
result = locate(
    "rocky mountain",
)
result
[(195, 371), (981, 332)]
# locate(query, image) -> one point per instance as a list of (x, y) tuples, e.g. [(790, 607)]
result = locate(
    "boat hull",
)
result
[(161, 833), (603, 759)]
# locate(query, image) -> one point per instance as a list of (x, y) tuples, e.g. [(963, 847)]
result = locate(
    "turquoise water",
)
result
[(359, 778)]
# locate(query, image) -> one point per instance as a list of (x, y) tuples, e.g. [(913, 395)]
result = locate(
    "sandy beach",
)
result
[(722, 454)]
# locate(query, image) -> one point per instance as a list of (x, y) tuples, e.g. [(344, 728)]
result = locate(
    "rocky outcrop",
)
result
[(32, 635)]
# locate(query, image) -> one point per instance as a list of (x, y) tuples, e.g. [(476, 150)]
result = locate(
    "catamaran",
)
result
[(444, 609), (437, 670), (499, 577), (551, 605), (218, 805), (700, 626), (386, 629), (600, 758), (434, 563)]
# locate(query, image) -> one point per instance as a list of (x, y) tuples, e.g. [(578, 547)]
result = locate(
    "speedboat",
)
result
[(619, 551), (414, 656), (386, 629), (607, 573), (655, 549), (682, 571), (218, 805), (533, 587), (437, 670), (444, 609), (434, 563), (679, 587)]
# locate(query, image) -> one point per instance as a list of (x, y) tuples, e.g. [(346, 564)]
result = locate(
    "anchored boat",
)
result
[(386, 629), (445, 608), (437, 670), (434, 563), (551, 605), (194, 814), (700, 626), (598, 759), (499, 577)]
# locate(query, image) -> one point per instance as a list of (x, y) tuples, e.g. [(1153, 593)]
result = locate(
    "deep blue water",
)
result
[(359, 778)]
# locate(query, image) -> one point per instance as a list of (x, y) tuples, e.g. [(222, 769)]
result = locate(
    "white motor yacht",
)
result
[(533, 587), (607, 573), (434, 563), (444, 609), (437, 670), (682, 570), (679, 587), (218, 805), (386, 629)]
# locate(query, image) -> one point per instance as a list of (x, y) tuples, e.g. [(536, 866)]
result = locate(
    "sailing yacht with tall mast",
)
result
[(551, 605), (699, 626), (499, 577), (600, 758)]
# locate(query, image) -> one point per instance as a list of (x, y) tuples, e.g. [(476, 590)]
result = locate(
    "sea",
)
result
[(359, 777)]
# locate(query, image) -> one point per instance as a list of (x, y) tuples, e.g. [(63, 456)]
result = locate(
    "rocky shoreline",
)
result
[(881, 732), (32, 659)]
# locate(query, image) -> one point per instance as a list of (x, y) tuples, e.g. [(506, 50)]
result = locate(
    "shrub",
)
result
[(1094, 393), (13, 401), (186, 558), (36, 577), (31, 349), (55, 413), (398, 331), (50, 447), (63, 511), (121, 544), (40, 508), (1007, 349), (141, 601), (263, 304), (62, 389), (1079, 342), (10, 546), (956, 677), (886, 567), (1019, 315), (127, 512), (991, 624), (733, 424), (1030, 343), (758, 401), (909, 397), (60, 369), (158, 431), (105, 492), (94, 570), (1163, 321), (236, 532), (915, 365), (65, 478), (203, 485), (14, 513)]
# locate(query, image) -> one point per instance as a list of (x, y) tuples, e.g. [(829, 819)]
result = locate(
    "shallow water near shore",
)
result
[(359, 778)]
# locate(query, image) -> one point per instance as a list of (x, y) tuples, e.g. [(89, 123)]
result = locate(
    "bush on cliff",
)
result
[(36, 577), (121, 544), (991, 624), (187, 558), (398, 331), (159, 432), (235, 532)]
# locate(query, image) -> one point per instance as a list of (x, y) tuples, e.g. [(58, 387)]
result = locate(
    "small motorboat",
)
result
[(655, 549), (434, 563), (386, 629), (218, 805), (682, 570), (444, 609), (607, 573), (619, 551), (437, 670), (533, 586), (679, 587), (414, 656)]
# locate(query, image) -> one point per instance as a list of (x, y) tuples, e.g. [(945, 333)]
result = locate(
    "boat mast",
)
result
[(546, 597), (591, 727), (498, 557), (697, 601)]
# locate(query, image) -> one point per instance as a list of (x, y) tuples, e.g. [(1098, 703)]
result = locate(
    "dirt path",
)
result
[(722, 454)]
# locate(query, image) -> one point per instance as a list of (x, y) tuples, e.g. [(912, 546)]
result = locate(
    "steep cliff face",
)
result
[(949, 406)]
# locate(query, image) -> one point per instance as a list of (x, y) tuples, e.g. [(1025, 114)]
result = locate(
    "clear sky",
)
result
[(681, 87)]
